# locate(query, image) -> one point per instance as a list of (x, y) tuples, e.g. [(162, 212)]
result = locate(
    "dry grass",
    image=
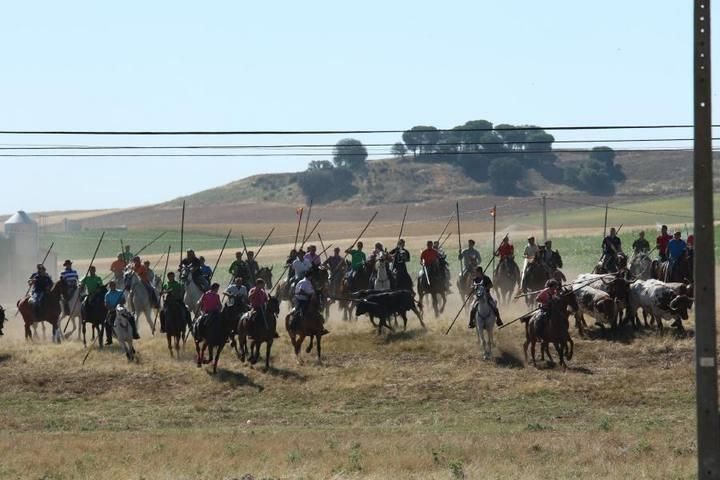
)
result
[(410, 405)]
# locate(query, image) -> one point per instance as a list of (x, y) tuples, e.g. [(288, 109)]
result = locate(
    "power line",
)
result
[(320, 154), (320, 145), (622, 209), (333, 132)]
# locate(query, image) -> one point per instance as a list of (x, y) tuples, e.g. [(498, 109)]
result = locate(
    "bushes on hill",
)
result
[(324, 185)]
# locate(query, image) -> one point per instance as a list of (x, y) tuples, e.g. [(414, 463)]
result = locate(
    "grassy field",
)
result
[(408, 405)]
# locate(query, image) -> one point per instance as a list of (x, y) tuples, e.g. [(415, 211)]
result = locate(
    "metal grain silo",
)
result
[(23, 235)]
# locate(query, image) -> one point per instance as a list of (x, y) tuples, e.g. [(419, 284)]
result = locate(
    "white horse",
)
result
[(123, 331), (74, 305), (382, 279), (484, 321), (138, 298), (193, 293), (641, 266)]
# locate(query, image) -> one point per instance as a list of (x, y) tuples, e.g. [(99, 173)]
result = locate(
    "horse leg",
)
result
[(319, 356), (169, 342), (297, 344), (268, 347), (84, 339), (198, 357), (217, 357), (101, 335), (444, 302), (310, 346), (546, 347), (404, 317), (532, 350)]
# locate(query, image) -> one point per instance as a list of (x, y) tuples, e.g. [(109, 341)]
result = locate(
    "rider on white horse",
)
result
[(483, 281), (70, 277), (529, 255), (470, 258)]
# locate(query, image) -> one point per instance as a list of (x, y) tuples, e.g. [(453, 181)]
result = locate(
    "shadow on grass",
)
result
[(400, 335), (234, 379), (285, 374), (509, 360), (5, 357)]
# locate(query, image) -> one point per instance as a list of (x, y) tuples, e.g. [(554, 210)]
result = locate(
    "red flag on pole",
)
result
[(492, 212), (298, 210)]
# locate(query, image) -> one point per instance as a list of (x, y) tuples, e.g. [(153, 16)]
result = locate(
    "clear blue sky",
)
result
[(230, 65)]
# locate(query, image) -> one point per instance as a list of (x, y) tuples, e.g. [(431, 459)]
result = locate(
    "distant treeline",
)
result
[(500, 155)]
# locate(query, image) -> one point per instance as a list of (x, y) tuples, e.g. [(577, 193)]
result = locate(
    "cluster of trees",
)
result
[(499, 154)]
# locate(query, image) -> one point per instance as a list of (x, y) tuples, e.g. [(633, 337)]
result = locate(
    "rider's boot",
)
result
[(471, 323)]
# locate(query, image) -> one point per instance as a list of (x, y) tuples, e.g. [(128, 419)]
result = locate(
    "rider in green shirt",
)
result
[(91, 282), (173, 288), (357, 256)]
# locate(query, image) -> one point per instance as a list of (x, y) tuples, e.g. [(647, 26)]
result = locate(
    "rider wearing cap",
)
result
[(70, 277), (483, 281), (529, 255)]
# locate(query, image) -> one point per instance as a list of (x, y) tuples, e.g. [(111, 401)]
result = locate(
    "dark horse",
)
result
[(506, 279), (360, 280), (260, 331), (556, 329), (94, 312), (49, 310), (555, 264), (2, 320), (535, 277), (213, 334), (681, 272), (401, 279), (309, 325), (266, 274), (174, 319), (432, 284)]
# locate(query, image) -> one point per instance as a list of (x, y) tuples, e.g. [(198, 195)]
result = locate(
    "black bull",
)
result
[(383, 304)]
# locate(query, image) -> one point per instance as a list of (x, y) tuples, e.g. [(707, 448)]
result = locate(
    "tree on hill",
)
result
[(504, 174), (421, 138), (327, 184), (350, 153), (606, 156), (399, 150), (319, 165)]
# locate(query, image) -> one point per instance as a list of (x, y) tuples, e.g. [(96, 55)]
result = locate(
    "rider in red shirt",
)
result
[(429, 255), (506, 249), (662, 242)]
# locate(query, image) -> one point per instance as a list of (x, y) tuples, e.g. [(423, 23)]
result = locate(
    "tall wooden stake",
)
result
[(708, 423), (494, 235), (605, 223), (297, 232), (182, 232)]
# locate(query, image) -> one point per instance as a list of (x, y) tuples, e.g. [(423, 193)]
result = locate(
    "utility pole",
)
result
[(708, 423), (605, 224), (544, 205)]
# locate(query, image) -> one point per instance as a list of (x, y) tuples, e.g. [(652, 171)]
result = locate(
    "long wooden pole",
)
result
[(457, 216), (494, 235), (217, 262), (47, 254), (402, 225), (322, 245), (263, 243), (297, 231), (86, 274), (182, 232), (150, 243), (446, 227), (307, 220), (162, 282), (311, 232)]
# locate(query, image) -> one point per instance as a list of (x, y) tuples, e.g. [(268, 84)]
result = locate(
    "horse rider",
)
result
[(174, 293), (641, 245), (691, 247), (190, 266), (334, 261), (400, 256), (470, 258), (41, 284), (676, 248), (506, 252), (151, 272), (210, 306), (300, 266), (483, 281), (445, 266), (91, 283), (288, 264), (237, 294), (543, 300), (611, 248), (205, 270), (259, 299), (548, 258), (127, 255), (118, 268), (113, 298), (312, 257), (71, 278), (429, 258), (144, 275), (239, 267), (253, 267), (304, 291), (529, 256), (357, 260), (661, 242)]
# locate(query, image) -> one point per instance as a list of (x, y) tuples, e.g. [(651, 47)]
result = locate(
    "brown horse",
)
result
[(556, 330), (49, 310), (680, 272), (311, 324), (506, 279), (260, 331), (212, 336)]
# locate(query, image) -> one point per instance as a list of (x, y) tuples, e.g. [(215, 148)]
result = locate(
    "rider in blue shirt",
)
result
[(676, 248)]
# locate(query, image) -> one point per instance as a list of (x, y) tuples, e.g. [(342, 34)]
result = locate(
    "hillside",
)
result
[(392, 184)]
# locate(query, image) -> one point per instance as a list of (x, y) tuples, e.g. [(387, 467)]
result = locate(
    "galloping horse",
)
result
[(2, 320), (381, 279), (193, 292), (535, 278), (555, 264), (680, 272), (506, 279), (73, 313), (260, 331), (401, 277), (335, 285), (309, 325), (140, 303), (484, 321), (605, 266), (641, 266), (556, 330), (123, 331), (175, 323), (432, 284), (464, 282), (359, 281), (94, 312), (266, 274), (49, 311), (213, 337)]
